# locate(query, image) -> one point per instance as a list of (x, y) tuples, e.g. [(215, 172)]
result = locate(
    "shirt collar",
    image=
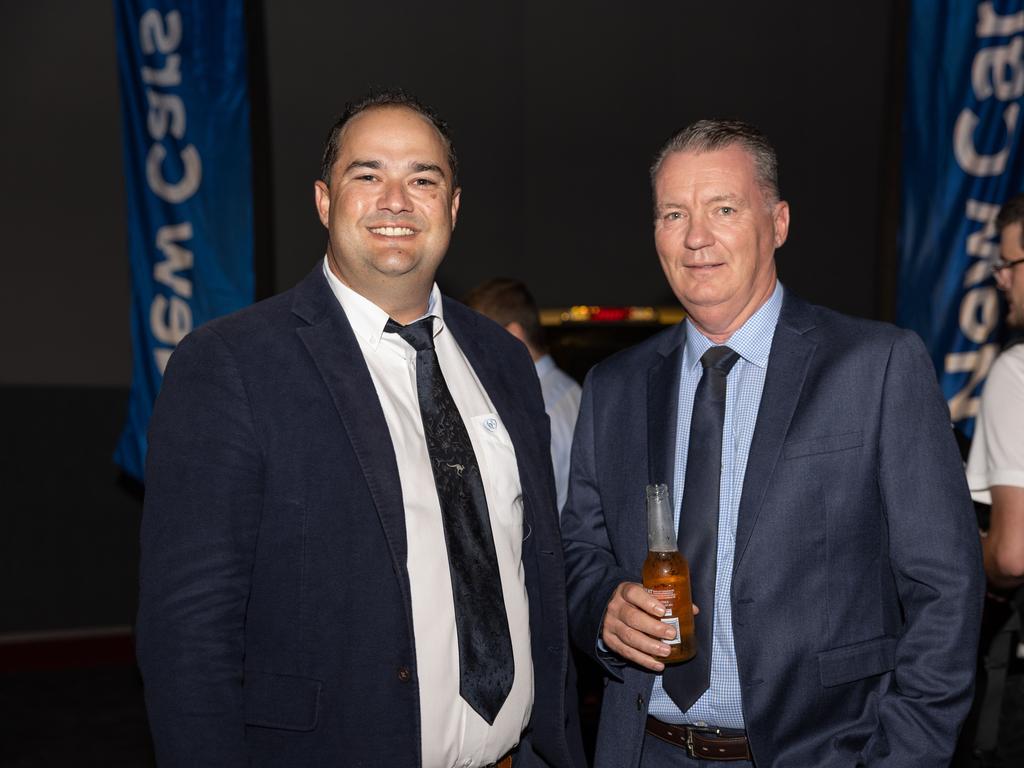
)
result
[(752, 340), (366, 318), (544, 365)]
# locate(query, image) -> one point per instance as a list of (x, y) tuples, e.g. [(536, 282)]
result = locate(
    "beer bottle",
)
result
[(667, 575)]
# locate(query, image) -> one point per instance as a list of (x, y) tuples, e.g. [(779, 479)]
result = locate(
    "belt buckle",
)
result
[(691, 750)]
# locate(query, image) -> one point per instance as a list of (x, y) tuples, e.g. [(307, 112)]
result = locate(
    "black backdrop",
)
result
[(556, 107)]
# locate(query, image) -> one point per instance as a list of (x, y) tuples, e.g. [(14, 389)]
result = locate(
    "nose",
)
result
[(394, 197), (698, 234)]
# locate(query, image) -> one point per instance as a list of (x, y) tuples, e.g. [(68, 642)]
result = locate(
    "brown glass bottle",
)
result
[(667, 576)]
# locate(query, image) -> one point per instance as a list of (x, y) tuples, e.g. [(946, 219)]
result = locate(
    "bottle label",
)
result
[(667, 596), (672, 622)]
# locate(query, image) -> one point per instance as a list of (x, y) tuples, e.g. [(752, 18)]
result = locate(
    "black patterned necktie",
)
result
[(698, 521), (486, 668)]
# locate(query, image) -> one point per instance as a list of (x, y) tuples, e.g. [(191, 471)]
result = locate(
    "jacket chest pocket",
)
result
[(858, 661), (815, 446)]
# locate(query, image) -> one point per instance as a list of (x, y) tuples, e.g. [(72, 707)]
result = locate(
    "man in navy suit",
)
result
[(841, 581), (298, 604)]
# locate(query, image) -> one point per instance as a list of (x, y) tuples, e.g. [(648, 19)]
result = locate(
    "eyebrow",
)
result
[(727, 197), (416, 167), (372, 164), (427, 168), (724, 198)]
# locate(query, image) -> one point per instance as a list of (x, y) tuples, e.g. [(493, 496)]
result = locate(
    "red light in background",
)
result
[(609, 314)]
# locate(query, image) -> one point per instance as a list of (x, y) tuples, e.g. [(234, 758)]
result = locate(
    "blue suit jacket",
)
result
[(275, 622), (857, 582)]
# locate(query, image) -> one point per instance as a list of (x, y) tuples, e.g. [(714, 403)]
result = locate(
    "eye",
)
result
[(727, 210), (366, 177), (673, 216), (424, 183)]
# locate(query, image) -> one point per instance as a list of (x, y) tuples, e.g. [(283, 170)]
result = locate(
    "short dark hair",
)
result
[(385, 98), (1012, 212), (711, 135), (505, 301)]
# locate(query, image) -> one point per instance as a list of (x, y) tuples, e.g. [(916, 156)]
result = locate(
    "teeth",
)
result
[(392, 231)]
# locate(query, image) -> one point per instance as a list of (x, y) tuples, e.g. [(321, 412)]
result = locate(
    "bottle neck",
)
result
[(661, 546), (661, 532)]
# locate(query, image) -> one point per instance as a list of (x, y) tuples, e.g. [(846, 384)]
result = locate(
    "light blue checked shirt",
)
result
[(722, 705)]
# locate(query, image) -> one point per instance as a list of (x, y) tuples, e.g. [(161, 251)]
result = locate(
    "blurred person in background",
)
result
[(995, 474), (510, 304)]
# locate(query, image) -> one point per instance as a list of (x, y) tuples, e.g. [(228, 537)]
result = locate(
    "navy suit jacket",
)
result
[(857, 581), (275, 623)]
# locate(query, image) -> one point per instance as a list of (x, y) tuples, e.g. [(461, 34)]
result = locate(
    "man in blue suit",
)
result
[(332, 474), (837, 575)]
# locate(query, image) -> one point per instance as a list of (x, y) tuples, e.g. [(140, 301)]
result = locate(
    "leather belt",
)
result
[(505, 762), (703, 743)]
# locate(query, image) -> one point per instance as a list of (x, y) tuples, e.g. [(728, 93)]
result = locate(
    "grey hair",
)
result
[(711, 135)]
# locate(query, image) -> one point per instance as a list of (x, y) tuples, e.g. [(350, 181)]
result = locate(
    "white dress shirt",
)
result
[(997, 450), (453, 735)]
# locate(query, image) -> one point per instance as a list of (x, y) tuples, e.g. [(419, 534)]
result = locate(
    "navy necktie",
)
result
[(698, 521), (486, 668)]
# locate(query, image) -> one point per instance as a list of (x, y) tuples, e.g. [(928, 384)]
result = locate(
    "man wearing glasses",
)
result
[(995, 471)]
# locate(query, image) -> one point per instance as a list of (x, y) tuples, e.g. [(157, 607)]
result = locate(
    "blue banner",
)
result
[(188, 181), (961, 161)]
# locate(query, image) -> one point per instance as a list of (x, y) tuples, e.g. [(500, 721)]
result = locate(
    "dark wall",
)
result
[(557, 109), (64, 292), (69, 536)]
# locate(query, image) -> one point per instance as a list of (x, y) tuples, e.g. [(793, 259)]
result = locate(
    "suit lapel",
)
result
[(788, 363), (333, 346)]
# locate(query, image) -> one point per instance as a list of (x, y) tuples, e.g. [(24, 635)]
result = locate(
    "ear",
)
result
[(456, 197), (780, 222), (516, 329), (322, 196)]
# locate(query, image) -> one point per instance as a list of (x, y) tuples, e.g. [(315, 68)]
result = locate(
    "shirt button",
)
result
[(404, 674)]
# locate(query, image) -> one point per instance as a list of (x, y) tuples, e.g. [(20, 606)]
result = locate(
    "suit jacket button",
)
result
[(639, 702), (404, 674)]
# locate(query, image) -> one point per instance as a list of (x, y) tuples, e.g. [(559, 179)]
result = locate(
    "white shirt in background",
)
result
[(562, 402), (997, 449)]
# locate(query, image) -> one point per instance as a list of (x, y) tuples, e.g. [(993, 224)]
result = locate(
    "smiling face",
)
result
[(716, 235), (390, 209)]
